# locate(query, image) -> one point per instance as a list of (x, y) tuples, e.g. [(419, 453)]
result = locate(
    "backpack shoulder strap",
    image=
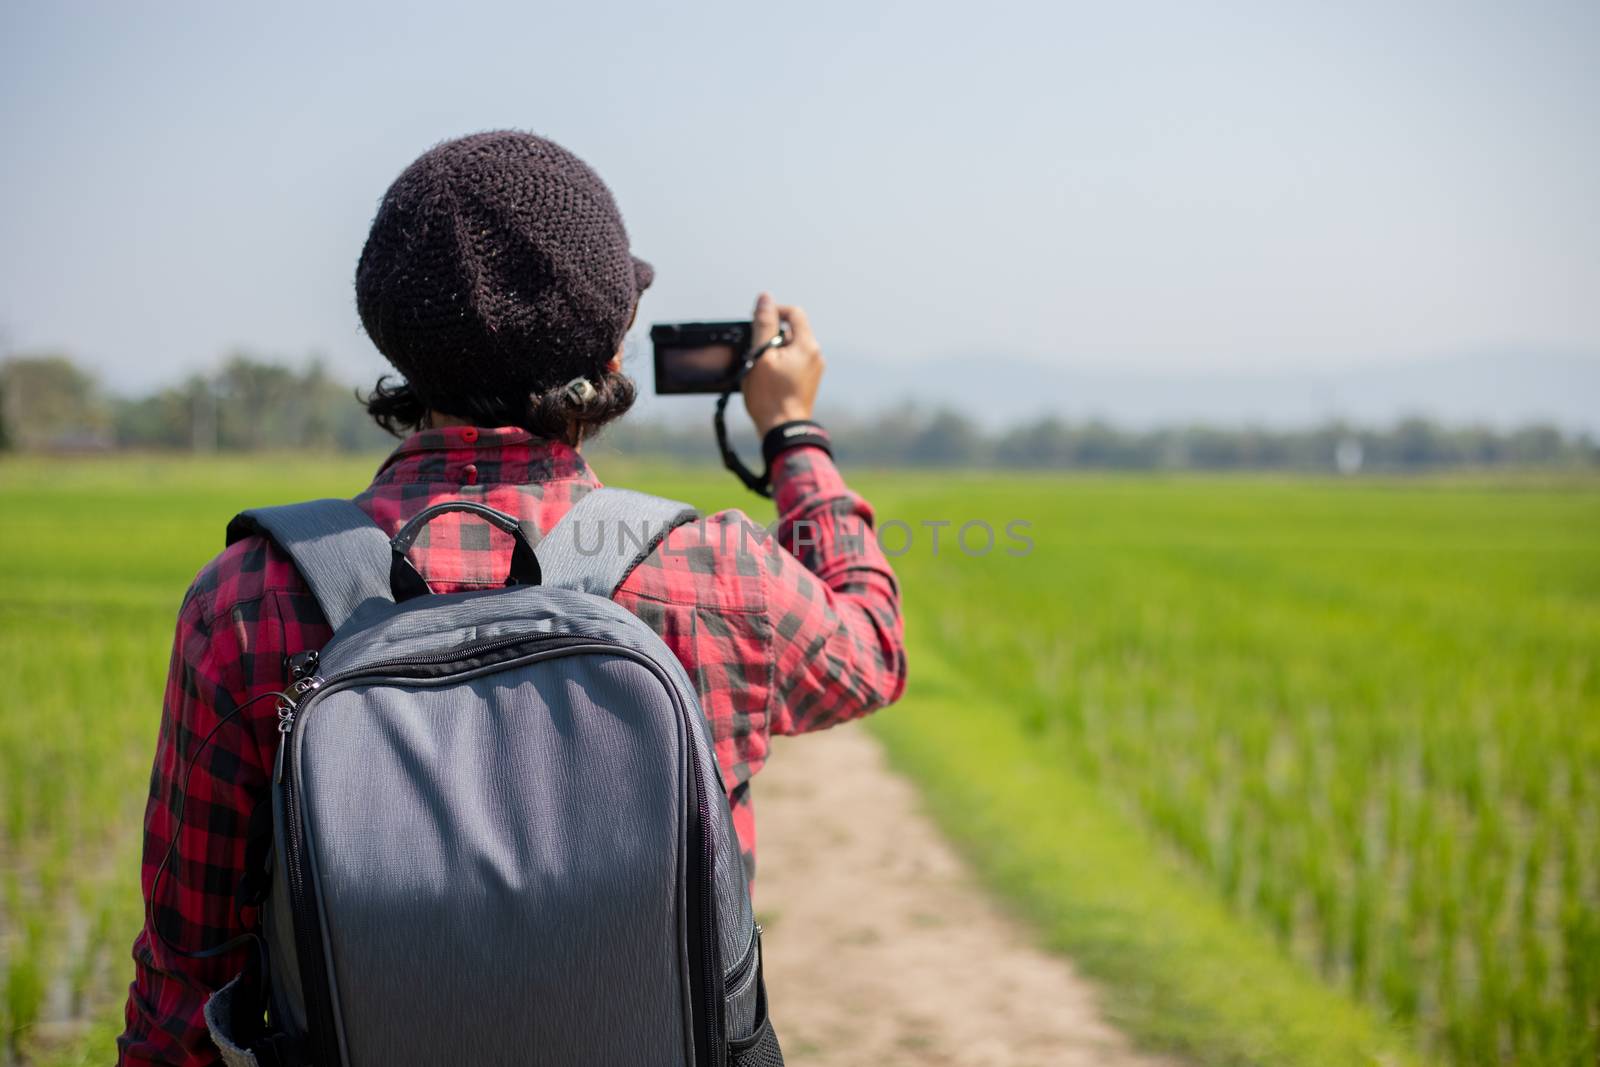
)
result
[(340, 552), (605, 536)]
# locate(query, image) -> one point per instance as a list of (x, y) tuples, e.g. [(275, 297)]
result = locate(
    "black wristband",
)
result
[(796, 434)]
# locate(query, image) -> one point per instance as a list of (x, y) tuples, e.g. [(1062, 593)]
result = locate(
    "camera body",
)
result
[(699, 357)]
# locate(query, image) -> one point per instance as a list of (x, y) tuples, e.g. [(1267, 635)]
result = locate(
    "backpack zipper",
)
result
[(747, 963), (705, 966), (708, 966), (307, 925)]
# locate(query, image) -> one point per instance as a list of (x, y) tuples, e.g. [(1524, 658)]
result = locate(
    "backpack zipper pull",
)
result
[(290, 700), (285, 713), (303, 671)]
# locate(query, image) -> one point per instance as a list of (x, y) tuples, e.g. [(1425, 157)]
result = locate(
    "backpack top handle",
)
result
[(350, 564), (405, 582)]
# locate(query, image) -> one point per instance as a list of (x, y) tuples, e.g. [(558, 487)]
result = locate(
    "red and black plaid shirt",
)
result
[(776, 643)]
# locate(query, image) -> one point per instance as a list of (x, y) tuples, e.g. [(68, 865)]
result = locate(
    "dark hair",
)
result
[(554, 414)]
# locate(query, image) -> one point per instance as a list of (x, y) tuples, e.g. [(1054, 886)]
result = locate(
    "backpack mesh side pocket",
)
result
[(760, 1049)]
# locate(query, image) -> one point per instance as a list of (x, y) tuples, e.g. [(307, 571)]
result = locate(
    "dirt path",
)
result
[(881, 949)]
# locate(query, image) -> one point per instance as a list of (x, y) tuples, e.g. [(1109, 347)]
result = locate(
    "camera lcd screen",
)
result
[(699, 357), (707, 369)]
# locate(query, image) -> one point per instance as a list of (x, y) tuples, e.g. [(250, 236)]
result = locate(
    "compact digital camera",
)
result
[(699, 357)]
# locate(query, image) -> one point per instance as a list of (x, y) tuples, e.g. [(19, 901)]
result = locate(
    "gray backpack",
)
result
[(500, 835)]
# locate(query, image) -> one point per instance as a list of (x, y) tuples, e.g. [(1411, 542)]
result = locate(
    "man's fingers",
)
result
[(799, 325), (782, 386), (768, 315), (765, 321)]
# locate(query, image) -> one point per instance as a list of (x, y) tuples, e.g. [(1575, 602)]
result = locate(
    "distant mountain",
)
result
[(1498, 388)]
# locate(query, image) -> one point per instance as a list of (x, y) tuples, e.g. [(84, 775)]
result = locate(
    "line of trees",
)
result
[(911, 437), (48, 403)]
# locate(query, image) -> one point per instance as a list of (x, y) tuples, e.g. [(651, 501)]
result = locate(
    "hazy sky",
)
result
[(1156, 186)]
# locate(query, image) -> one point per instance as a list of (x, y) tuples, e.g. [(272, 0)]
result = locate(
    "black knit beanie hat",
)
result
[(497, 269)]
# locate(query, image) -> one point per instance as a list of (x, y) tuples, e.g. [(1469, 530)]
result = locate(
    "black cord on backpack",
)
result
[(249, 937), (761, 484)]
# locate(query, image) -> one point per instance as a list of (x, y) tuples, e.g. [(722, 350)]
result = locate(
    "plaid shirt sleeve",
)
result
[(840, 646), (219, 665), (782, 631)]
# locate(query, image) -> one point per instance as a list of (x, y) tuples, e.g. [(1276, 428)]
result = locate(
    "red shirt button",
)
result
[(469, 434), (469, 474)]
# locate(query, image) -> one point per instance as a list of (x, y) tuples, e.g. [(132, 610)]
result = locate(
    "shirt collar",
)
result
[(479, 455)]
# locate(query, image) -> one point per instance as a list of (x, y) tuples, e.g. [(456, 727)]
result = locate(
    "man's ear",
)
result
[(615, 364)]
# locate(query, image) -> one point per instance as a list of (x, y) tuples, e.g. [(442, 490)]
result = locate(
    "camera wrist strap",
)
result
[(760, 484)]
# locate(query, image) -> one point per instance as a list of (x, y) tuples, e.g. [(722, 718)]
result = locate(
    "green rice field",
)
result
[(1301, 771)]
